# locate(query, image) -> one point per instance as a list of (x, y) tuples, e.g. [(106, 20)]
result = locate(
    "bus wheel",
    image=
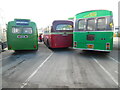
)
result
[(107, 52), (44, 43), (17, 50), (48, 45)]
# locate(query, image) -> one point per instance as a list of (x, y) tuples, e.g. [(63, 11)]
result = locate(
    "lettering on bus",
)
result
[(93, 14), (22, 22)]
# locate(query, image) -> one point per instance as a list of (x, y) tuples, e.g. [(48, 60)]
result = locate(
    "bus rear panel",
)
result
[(22, 35), (93, 31), (60, 34)]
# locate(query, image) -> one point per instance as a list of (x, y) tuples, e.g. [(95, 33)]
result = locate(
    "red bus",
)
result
[(59, 35)]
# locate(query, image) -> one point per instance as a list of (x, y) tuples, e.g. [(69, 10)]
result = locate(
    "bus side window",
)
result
[(51, 28), (110, 24)]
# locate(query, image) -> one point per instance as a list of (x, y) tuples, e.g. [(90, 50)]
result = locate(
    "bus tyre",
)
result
[(44, 43), (107, 52), (48, 45), (17, 50)]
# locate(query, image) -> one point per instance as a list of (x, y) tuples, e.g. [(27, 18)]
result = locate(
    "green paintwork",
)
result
[(94, 13), (20, 19), (81, 39), (71, 18), (22, 43)]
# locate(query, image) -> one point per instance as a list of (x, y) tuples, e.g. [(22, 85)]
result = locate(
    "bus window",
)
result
[(81, 24), (110, 24), (91, 24), (64, 27), (101, 24), (16, 30), (27, 30)]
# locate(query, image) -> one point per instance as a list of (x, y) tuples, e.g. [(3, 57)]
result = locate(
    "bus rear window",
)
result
[(91, 25), (22, 30), (27, 30), (16, 30), (64, 27), (81, 24), (101, 24)]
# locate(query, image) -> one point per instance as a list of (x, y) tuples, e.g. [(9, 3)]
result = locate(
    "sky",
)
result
[(43, 12)]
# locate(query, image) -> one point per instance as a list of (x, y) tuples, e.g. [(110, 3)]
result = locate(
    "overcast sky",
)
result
[(45, 11)]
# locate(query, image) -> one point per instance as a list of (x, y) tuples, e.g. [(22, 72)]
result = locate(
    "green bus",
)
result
[(22, 35), (93, 30)]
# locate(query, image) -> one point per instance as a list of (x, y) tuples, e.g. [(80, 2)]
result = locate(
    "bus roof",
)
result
[(55, 22), (61, 20), (20, 22), (93, 13), (71, 18), (21, 19)]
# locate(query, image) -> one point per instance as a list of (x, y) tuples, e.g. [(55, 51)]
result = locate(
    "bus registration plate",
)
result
[(90, 45)]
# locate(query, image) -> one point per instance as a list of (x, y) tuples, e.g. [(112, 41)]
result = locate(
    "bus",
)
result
[(3, 38), (59, 34), (93, 30), (22, 34)]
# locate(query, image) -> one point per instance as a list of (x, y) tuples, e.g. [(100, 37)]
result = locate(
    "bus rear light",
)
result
[(107, 46), (75, 44), (34, 46), (10, 47)]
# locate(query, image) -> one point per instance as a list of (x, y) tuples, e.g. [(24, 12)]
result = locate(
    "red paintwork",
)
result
[(58, 40)]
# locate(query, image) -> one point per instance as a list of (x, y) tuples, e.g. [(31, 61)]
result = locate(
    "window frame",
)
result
[(27, 27), (15, 29), (97, 23), (65, 29), (87, 24), (21, 30), (84, 25)]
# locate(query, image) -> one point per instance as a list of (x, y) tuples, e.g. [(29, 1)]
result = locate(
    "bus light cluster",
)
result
[(75, 44), (107, 46)]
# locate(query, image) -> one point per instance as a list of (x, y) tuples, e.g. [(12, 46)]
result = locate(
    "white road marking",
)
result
[(28, 79), (113, 59), (105, 71), (4, 58), (5, 48), (116, 72)]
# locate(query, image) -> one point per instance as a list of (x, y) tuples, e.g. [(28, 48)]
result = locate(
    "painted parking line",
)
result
[(116, 72), (113, 59), (4, 58), (29, 78), (106, 71), (5, 48)]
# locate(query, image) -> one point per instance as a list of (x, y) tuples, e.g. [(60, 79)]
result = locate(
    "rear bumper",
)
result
[(93, 49)]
